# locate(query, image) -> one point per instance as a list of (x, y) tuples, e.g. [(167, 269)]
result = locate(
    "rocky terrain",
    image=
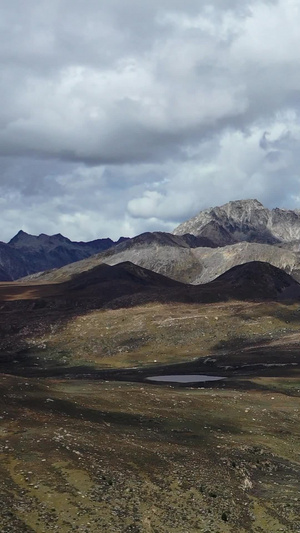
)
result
[(252, 233), (179, 261), (200, 249), (244, 220)]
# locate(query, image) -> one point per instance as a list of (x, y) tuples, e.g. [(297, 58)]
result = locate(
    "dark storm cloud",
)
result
[(180, 103), (120, 81)]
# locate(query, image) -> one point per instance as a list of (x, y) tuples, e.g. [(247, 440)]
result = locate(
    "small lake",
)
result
[(185, 378)]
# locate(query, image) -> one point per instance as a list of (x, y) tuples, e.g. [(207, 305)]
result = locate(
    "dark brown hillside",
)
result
[(126, 285), (160, 238), (255, 281), (123, 272), (258, 280), (251, 281)]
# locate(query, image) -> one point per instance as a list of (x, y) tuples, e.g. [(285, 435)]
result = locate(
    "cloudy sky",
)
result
[(124, 116)]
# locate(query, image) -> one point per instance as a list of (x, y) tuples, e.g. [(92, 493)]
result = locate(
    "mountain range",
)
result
[(198, 251), (26, 254), (254, 232)]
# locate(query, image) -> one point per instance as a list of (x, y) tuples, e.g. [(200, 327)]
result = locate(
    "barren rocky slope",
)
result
[(244, 220)]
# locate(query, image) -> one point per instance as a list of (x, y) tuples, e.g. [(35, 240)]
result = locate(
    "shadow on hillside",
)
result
[(40, 401), (123, 286), (262, 353), (240, 343), (286, 313)]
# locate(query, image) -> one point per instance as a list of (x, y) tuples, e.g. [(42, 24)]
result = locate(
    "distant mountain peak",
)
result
[(20, 239), (19, 235), (245, 202), (244, 220), (27, 254)]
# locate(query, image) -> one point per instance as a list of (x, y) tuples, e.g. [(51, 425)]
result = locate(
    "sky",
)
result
[(124, 116)]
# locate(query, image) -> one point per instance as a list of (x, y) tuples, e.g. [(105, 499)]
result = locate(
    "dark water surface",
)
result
[(185, 378)]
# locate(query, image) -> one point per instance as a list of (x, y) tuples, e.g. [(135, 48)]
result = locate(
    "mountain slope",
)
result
[(122, 273), (258, 280), (254, 281), (188, 265), (12, 263), (160, 252), (244, 220), (127, 285), (26, 254), (209, 249)]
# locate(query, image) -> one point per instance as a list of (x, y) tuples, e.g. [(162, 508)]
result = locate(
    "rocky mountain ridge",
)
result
[(244, 220), (181, 263), (26, 254), (218, 239)]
